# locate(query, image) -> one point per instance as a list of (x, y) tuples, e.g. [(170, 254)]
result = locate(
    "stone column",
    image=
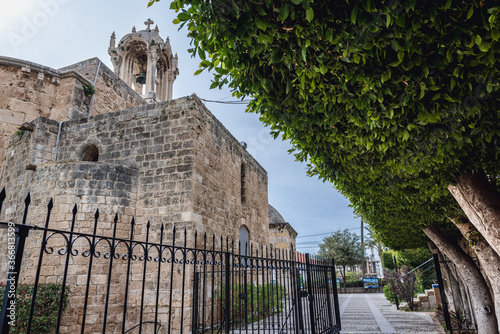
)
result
[(151, 76)]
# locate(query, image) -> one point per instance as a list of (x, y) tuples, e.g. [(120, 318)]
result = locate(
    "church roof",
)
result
[(275, 218)]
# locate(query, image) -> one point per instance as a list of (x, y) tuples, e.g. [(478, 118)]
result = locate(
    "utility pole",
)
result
[(363, 248)]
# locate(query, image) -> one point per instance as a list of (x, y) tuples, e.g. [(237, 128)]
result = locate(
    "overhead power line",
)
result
[(225, 102), (329, 233)]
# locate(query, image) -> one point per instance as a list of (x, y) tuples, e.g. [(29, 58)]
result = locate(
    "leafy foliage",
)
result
[(390, 101), (89, 90), (45, 311), (413, 257), (356, 82), (387, 260), (250, 303), (355, 283), (388, 294), (345, 248)]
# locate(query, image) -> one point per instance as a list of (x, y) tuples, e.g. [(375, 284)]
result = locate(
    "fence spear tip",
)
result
[(27, 199)]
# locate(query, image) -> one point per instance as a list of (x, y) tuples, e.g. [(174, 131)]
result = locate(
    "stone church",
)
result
[(128, 147), (116, 141)]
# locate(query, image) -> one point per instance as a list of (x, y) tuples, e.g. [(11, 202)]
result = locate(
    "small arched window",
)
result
[(244, 241), (90, 153), (243, 188)]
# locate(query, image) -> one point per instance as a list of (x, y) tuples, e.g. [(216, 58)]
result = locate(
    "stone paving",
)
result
[(364, 313)]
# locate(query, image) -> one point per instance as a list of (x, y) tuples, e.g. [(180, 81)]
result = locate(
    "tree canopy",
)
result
[(393, 87), (390, 101), (343, 246)]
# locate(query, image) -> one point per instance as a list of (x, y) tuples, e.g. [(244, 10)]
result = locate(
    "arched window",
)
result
[(90, 153), (243, 189), (244, 240)]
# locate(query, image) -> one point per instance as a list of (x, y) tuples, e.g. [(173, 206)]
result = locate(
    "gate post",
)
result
[(335, 296), (396, 269), (328, 300), (195, 304), (444, 303), (311, 296), (9, 299), (298, 310), (227, 293)]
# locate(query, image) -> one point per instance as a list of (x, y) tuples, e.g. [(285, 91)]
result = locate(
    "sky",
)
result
[(57, 33)]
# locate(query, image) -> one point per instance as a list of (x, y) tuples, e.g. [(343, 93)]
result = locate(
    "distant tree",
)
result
[(345, 247)]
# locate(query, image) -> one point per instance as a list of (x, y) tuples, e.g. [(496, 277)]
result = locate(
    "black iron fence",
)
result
[(167, 282)]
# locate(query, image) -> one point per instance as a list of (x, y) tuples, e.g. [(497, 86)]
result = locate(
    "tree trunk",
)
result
[(481, 203), (455, 299), (482, 303), (465, 299), (451, 286), (488, 259)]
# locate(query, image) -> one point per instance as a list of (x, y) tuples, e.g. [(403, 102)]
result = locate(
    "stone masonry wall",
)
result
[(171, 163), (111, 92), (29, 90), (282, 236), (25, 94), (223, 169)]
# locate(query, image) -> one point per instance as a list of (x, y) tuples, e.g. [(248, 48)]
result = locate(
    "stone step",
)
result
[(423, 298), (429, 292)]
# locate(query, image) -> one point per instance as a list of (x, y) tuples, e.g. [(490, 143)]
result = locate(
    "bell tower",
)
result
[(145, 62)]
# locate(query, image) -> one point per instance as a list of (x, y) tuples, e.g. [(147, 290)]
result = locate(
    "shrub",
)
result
[(403, 284), (45, 311), (353, 275), (264, 300), (387, 260), (89, 90), (388, 294), (354, 283)]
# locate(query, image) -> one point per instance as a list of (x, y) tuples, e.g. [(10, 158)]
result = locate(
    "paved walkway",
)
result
[(365, 313)]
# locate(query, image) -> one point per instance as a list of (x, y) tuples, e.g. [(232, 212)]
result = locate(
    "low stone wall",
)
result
[(360, 290)]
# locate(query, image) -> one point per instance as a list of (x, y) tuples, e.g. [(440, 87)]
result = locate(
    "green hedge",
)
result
[(263, 300), (355, 283), (45, 311), (387, 260)]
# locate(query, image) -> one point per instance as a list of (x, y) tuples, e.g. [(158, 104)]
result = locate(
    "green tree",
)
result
[(345, 247), (399, 90), (412, 258), (395, 102)]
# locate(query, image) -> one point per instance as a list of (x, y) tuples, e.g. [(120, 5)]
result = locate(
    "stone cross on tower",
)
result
[(149, 22), (145, 62)]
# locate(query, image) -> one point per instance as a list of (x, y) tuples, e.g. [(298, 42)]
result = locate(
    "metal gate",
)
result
[(272, 294), (155, 285), (318, 305)]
